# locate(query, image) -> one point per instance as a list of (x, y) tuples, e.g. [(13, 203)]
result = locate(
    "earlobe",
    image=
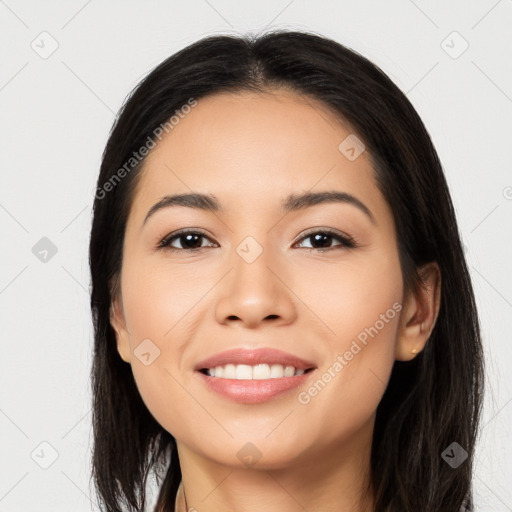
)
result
[(419, 314), (118, 323)]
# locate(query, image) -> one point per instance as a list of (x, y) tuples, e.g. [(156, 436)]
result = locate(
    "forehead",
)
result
[(245, 145)]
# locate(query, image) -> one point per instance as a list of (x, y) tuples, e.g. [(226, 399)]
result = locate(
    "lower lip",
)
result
[(253, 391)]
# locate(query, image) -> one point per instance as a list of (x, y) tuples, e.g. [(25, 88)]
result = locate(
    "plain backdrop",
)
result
[(65, 70)]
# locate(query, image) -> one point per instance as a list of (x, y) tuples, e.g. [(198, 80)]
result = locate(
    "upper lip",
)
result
[(254, 357)]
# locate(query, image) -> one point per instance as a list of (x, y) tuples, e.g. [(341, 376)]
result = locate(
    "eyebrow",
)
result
[(293, 202)]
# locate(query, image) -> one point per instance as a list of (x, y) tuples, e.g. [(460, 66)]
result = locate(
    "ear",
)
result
[(419, 314), (118, 323)]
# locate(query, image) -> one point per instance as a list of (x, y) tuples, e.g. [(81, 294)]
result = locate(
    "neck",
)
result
[(332, 478)]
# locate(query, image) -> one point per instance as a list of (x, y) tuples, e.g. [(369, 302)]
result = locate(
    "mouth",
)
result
[(253, 376), (261, 363)]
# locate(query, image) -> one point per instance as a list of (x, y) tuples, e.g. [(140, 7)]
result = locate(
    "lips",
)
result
[(240, 356), (254, 376)]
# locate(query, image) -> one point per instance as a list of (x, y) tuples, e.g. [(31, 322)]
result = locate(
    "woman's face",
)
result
[(261, 274)]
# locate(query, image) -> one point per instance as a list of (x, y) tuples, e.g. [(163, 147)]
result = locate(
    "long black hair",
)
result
[(430, 402)]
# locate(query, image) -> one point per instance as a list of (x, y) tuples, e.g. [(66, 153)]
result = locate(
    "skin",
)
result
[(251, 151)]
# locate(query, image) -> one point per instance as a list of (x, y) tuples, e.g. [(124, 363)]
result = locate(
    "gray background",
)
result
[(57, 110)]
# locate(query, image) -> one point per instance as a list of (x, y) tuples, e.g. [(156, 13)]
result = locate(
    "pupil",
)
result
[(328, 237), (189, 244)]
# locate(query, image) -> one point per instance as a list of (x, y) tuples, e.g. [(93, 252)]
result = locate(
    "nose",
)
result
[(255, 293)]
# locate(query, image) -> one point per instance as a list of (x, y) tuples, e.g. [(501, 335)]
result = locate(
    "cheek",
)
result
[(353, 298), (156, 305), (361, 329), (158, 301)]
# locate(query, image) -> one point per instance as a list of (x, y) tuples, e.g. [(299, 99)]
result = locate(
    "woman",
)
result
[(283, 313)]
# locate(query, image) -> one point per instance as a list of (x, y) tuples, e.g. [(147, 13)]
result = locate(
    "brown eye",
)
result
[(189, 241), (322, 240), (193, 241)]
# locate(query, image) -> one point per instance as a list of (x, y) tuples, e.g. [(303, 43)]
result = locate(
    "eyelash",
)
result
[(347, 241)]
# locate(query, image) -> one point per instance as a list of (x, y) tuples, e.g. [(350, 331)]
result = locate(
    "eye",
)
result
[(324, 238), (189, 240)]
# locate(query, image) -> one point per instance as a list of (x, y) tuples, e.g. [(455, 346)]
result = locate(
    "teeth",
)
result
[(228, 371), (257, 372), (242, 372), (261, 371)]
